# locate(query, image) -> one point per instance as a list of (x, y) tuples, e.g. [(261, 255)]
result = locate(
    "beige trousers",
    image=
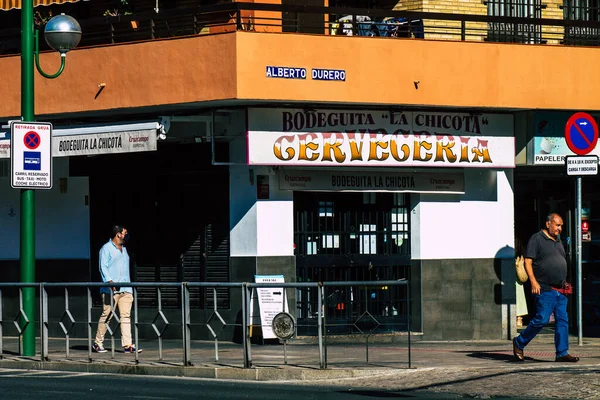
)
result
[(122, 302)]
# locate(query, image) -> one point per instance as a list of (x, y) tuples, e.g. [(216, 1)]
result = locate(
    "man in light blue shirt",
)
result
[(114, 268)]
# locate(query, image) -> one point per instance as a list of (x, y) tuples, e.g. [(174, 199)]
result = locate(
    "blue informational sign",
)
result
[(328, 74), (32, 160), (581, 133), (286, 72)]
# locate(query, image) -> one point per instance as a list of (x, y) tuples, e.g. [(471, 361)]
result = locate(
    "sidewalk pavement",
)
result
[(347, 357)]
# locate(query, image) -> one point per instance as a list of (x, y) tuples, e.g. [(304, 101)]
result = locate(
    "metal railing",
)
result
[(344, 303), (365, 320), (574, 29)]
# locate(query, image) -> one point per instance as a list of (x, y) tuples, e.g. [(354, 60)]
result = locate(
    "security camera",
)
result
[(165, 125)]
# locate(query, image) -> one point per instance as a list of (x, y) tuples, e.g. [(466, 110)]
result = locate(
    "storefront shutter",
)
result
[(217, 262)]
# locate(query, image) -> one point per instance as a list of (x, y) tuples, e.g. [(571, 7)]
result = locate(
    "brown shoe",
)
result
[(518, 353), (567, 358)]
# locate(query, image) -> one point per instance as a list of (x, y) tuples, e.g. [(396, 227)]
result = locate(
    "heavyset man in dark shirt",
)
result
[(546, 266)]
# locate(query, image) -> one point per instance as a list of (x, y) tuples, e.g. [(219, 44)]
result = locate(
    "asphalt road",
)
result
[(47, 385)]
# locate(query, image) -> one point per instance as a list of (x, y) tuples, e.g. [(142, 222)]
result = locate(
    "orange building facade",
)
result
[(269, 143)]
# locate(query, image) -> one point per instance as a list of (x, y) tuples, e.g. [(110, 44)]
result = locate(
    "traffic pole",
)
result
[(27, 218), (578, 260)]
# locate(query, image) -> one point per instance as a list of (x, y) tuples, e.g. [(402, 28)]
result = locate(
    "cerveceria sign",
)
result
[(358, 149), (369, 138)]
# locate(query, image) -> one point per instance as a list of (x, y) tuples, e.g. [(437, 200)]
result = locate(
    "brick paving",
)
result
[(487, 370), (573, 382)]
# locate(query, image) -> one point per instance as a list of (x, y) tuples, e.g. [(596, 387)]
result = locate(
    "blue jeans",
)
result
[(548, 302)]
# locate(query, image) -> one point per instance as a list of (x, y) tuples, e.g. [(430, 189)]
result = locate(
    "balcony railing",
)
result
[(278, 18)]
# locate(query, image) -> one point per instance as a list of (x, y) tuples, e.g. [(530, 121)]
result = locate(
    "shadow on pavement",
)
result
[(497, 356), (377, 394)]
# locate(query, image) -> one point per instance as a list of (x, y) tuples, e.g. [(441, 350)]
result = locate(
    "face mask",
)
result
[(126, 237)]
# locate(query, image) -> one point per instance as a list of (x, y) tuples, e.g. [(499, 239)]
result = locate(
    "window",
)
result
[(512, 32), (326, 209), (399, 220), (581, 10), (369, 198), (346, 225)]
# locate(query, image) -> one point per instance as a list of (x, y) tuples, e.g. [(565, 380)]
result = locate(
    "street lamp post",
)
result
[(62, 34)]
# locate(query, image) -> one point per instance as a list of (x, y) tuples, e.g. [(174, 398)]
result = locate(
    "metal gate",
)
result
[(514, 32), (351, 237), (582, 10)]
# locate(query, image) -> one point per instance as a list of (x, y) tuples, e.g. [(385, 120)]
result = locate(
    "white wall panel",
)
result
[(478, 224), (62, 221), (259, 227), (242, 212), (275, 228)]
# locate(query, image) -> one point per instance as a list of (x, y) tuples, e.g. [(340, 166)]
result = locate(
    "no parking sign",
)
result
[(581, 133), (31, 155)]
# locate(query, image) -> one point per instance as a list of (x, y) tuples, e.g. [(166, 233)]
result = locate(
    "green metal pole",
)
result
[(27, 254)]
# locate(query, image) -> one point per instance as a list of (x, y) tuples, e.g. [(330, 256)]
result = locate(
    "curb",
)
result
[(226, 373)]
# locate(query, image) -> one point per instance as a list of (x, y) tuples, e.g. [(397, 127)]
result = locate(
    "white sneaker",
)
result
[(131, 349), (98, 348)]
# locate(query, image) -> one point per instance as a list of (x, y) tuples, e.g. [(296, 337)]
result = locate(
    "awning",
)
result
[(97, 139), (10, 4)]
